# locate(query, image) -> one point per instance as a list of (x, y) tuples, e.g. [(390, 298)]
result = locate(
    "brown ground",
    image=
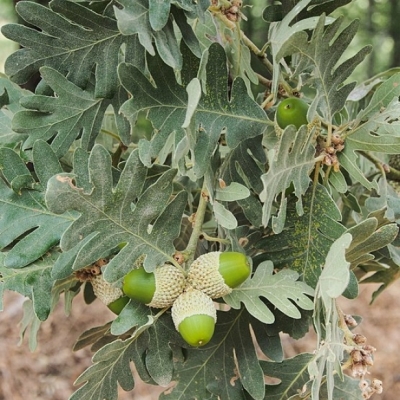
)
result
[(49, 372)]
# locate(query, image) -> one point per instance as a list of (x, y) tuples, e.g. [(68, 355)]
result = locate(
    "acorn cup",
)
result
[(217, 273), (158, 289), (194, 316), (108, 294)]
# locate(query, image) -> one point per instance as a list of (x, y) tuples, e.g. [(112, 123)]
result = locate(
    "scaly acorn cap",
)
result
[(194, 317), (105, 291), (158, 289), (216, 273), (170, 282)]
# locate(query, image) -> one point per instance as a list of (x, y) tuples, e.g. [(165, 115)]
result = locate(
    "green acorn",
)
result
[(194, 316), (105, 291), (216, 273), (117, 305), (292, 111), (158, 289)]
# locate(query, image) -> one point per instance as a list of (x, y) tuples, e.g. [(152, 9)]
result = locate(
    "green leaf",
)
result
[(333, 281), (10, 96), (227, 367), (45, 161), (34, 282), (294, 381), (283, 32), (388, 199), (61, 119), (223, 216), (292, 377), (71, 39), (124, 214), (30, 324), (335, 274), (385, 278), (166, 107), (242, 165), (152, 24), (368, 237), (281, 289), (317, 7), (111, 363), (133, 314), (320, 56), (306, 239), (93, 336), (111, 367), (232, 192), (291, 161), (159, 13), (15, 170), (24, 216), (376, 129)]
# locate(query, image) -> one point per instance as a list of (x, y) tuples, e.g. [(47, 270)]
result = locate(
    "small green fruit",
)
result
[(234, 268), (117, 305), (158, 289), (217, 273), (139, 285), (292, 111), (194, 316)]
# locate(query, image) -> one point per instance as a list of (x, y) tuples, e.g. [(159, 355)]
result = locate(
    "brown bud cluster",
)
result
[(350, 321), (232, 12), (330, 152), (370, 388), (87, 273), (361, 357)]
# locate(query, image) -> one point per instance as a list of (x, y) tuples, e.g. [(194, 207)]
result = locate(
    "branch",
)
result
[(384, 169), (190, 250)]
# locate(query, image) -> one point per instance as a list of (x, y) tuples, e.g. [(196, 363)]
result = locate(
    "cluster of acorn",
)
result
[(210, 276)]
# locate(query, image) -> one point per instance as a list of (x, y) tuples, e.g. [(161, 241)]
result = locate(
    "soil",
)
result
[(49, 372)]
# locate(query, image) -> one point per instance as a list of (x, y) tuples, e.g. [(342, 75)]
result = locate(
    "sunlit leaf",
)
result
[(306, 239), (124, 214), (26, 224), (9, 105), (72, 48), (376, 129), (282, 290), (72, 113), (322, 54), (33, 281), (290, 163), (165, 105)]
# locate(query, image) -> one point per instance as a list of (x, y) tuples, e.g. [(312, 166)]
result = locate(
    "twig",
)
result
[(385, 169), (190, 250)]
